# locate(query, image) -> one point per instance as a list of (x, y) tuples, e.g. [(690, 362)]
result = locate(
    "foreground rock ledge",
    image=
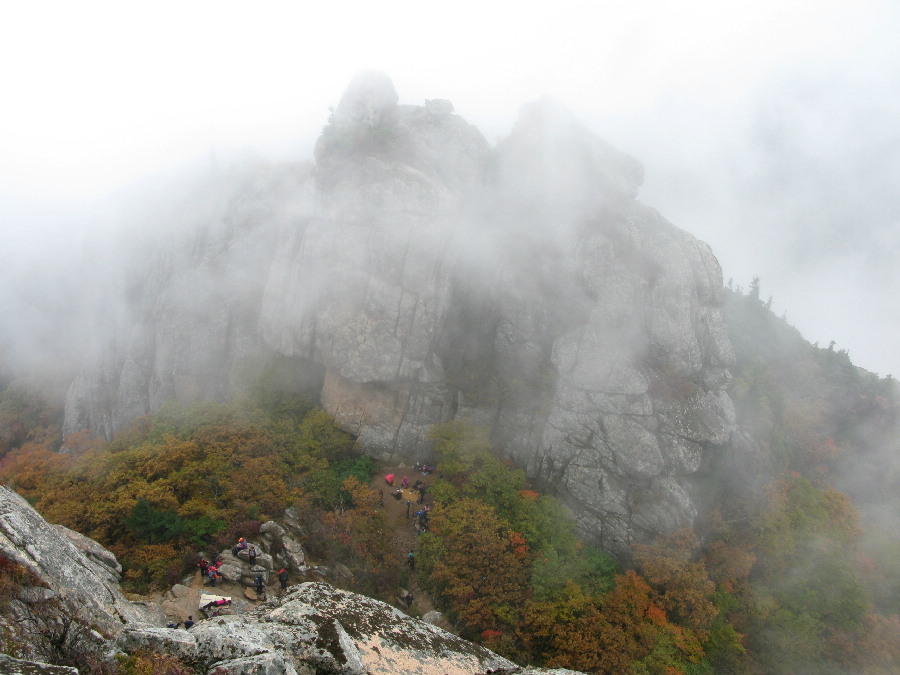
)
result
[(316, 628), (72, 610)]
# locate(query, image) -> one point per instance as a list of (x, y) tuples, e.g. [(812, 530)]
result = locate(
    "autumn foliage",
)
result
[(179, 480), (479, 565), (781, 573), (489, 549)]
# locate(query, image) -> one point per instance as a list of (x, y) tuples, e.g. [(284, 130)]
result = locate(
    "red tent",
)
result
[(389, 479)]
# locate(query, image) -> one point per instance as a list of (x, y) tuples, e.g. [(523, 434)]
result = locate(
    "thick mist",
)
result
[(767, 129)]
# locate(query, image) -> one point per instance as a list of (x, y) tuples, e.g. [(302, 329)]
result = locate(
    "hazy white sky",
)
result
[(768, 128)]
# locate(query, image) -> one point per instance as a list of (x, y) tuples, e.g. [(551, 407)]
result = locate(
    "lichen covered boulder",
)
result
[(317, 628)]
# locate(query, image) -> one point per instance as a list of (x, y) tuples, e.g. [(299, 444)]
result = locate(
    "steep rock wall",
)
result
[(427, 278), (182, 323)]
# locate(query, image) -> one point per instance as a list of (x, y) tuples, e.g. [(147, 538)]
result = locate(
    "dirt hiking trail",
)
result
[(403, 526)]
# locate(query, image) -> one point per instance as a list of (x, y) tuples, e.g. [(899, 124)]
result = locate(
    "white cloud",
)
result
[(97, 94)]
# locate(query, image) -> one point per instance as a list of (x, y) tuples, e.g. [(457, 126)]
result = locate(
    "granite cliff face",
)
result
[(418, 276)]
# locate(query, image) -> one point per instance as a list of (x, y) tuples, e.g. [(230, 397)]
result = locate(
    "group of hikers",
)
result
[(418, 486), (210, 571), (242, 545), (211, 575)]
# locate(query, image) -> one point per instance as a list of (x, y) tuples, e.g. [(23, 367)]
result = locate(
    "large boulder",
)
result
[(68, 603), (291, 520), (176, 642), (180, 602), (262, 559), (231, 572), (292, 555), (271, 532), (317, 628)]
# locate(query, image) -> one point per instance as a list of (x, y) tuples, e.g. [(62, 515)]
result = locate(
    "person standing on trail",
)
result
[(258, 582), (411, 560), (213, 576), (283, 578)]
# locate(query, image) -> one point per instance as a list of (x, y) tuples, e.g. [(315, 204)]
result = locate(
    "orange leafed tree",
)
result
[(609, 634), (481, 567), (682, 585)]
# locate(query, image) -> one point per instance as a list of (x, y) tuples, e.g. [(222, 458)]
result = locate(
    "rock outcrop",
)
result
[(63, 607), (418, 276), (316, 628), (68, 600), (12, 666)]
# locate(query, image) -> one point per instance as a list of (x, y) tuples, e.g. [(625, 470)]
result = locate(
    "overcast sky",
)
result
[(768, 128)]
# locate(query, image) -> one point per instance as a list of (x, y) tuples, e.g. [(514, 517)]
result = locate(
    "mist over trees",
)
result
[(790, 568), (790, 563)]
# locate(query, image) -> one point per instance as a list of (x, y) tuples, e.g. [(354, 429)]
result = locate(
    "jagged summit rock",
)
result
[(553, 162), (420, 276), (315, 627), (369, 101)]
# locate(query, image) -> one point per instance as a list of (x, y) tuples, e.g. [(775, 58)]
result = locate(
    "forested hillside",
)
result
[(792, 566), (799, 512)]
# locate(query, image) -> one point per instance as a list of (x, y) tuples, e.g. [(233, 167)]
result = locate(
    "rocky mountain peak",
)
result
[(370, 101), (422, 276), (552, 159)]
